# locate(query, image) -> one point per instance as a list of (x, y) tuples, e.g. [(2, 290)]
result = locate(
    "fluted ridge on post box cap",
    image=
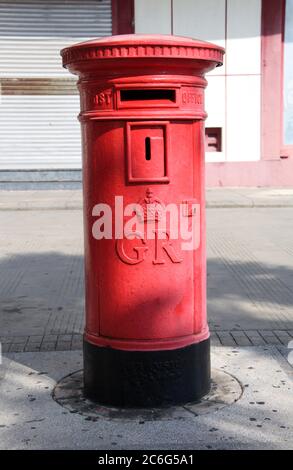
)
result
[(130, 46)]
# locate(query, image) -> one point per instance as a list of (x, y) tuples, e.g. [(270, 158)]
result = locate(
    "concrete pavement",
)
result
[(250, 309), (250, 278), (261, 418)]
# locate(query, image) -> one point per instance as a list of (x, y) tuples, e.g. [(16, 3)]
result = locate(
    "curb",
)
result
[(56, 341), (51, 205), (39, 207), (245, 205)]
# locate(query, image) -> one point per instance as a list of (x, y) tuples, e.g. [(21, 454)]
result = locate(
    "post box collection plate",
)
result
[(146, 340)]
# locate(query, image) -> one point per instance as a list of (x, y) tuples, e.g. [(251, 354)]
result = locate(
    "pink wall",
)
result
[(278, 173)]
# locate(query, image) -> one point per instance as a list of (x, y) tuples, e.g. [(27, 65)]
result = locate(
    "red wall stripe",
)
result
[(122, 16)]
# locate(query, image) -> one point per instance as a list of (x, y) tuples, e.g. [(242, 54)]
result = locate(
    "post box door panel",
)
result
[(146, 290)]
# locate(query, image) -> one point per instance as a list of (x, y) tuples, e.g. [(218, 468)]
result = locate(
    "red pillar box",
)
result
[(146, 340)]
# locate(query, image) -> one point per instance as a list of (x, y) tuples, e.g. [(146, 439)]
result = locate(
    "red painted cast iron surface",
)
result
[(142, 117)]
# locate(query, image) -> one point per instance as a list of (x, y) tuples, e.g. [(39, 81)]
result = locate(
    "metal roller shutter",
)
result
[(38, 99)]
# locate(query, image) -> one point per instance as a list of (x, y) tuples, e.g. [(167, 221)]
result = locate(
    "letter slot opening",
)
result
[(147, 148), (151, 96)]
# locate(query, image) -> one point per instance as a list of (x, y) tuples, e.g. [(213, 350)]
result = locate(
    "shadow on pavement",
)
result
[(44, 293)]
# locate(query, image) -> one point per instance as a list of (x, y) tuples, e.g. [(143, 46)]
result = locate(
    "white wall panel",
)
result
[(215, 105), (201, 19), (153, 16), (215, 102), (243, 118), (243, 49)]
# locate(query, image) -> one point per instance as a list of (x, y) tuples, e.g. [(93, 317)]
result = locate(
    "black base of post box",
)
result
[(146, 378)]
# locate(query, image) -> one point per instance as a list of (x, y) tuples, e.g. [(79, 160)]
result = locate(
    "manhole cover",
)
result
[(68, 392)]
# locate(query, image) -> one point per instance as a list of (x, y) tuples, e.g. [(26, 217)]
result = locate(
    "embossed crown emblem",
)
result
[(153, 208)]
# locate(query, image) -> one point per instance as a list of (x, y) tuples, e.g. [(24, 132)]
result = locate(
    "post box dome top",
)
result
[(131, 46)]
